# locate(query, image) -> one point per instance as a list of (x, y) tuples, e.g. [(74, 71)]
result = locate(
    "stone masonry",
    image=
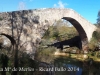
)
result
[(29, 26)]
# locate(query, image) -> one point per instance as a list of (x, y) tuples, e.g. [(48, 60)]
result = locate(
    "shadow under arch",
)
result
[(78, 27)]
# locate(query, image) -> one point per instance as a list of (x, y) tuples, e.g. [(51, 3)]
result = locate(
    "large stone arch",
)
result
[(34, 23), (79, 28)]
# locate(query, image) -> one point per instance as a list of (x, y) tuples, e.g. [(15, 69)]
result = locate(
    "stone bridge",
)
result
[(28, 26)]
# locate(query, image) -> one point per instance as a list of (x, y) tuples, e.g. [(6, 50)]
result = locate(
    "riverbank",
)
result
[(80, 57)]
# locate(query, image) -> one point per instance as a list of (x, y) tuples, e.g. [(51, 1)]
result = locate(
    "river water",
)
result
[(71, 66), (65, 65)]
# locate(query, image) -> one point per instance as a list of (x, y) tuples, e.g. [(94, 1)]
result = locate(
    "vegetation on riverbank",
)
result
[(95, 40), (7, 59), (58, 32)]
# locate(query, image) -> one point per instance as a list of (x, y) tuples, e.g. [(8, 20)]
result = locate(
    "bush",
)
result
[(92, 43), (95, 39), (96, 35), (60, 33), (45, 54), (24, 61)]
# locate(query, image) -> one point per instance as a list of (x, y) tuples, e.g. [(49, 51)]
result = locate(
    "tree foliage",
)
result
[(61, 30), (98, 19)]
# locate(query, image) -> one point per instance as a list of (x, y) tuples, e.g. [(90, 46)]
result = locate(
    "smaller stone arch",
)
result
[(13, 42)]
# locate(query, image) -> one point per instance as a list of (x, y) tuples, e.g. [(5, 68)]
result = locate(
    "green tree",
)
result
[(98, 19)]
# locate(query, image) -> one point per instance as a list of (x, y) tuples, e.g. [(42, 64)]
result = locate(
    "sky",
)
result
[(86, 8)]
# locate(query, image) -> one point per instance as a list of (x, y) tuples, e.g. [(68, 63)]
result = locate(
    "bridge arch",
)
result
[(12, 40), (36, 22), (79, 28)]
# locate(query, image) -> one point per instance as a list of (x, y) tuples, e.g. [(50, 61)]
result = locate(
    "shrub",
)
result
[(60, 33), (96, 34), (95, 39), (24, 61), (92, 43), (45, 54)]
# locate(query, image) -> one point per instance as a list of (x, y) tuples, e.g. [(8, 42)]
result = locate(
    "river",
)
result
[(67, 65)]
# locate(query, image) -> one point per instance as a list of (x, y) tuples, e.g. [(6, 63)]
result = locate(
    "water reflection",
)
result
[(74, 70), (76, 67), (64, 65), (73, 67)]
